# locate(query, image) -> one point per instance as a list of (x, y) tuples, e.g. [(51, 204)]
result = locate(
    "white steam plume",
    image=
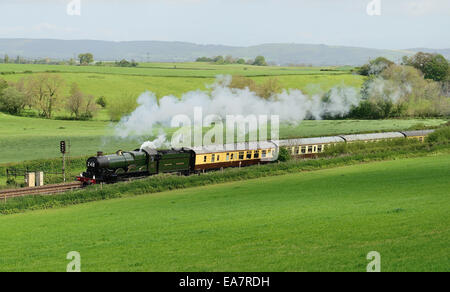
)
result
[(292, 106)]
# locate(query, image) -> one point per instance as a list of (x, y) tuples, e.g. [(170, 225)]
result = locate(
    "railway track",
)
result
[(44, 190)]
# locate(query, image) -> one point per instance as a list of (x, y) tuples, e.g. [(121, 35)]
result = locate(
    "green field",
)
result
[(163, 79), (24, 139), (326, 220), (196, 70)]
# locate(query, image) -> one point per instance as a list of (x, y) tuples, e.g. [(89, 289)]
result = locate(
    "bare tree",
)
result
[(75, 101), (45, 90), (81, 105)]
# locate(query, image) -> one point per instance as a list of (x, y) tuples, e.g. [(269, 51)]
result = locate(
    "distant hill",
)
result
[(443, 52), (159, 51)]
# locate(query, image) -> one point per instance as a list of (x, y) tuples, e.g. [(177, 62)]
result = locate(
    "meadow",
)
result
[(197, 70), (326, 220), (118, 83)]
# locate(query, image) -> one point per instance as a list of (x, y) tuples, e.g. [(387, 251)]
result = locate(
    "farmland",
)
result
[(285, 223), (116, 83)]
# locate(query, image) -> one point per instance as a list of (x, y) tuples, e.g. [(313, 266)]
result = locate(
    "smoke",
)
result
[(292, 106), (388, 90), (160, 142)]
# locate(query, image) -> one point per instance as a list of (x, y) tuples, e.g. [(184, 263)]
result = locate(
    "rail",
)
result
[(44, 190)]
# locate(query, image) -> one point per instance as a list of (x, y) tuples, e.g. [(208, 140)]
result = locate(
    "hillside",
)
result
[(444, 52), (326, 220), (160, 51)]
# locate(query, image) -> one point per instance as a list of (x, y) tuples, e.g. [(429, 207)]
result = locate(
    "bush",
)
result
[(265, 90), (101, 101), (12, 101), (440, 136), (11, 182), (269, 88), (260, 61), (375, 67), (120, 108), (284, 155)]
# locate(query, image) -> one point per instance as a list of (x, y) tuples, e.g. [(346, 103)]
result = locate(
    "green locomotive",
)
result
[(138, 163)]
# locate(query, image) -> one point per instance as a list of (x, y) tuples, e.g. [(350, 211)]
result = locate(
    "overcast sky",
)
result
[(402, 23)]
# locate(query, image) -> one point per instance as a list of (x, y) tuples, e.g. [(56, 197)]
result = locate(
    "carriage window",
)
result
[(204, 158), (213, 157), (264, 154), (249, 155), (310, 149), (228, 156), (320, 148), (241, 155), (303, 150), (315, 148), (297, 150), (256, 155), (232, 156), (218, 157)]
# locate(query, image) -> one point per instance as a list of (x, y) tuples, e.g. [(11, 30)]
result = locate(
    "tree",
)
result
[(375, 67), (265, 90), (21, 86), (12, 101), (269, 88), (399, 91), (229, 60), (80, 105), (433, 66), (241, 61), (260, 61), (90, 107), (219, 60), (75, 101), (86, 59), (204, 59), (241, 82), (6, 59), (45, 90), (121, 107)]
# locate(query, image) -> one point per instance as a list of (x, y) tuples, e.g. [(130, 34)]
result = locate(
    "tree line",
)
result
[(84, 59), (44, 93), (419, 87), (220, 60)]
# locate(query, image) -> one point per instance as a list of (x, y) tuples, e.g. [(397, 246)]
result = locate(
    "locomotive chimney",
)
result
[(99, 153)]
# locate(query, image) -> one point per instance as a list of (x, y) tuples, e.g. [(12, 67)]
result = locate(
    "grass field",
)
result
[(315, 221), (175, 69), (163, 79), (32, 138)]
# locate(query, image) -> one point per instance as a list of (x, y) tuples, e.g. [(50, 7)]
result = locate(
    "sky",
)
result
[(398, 24)]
